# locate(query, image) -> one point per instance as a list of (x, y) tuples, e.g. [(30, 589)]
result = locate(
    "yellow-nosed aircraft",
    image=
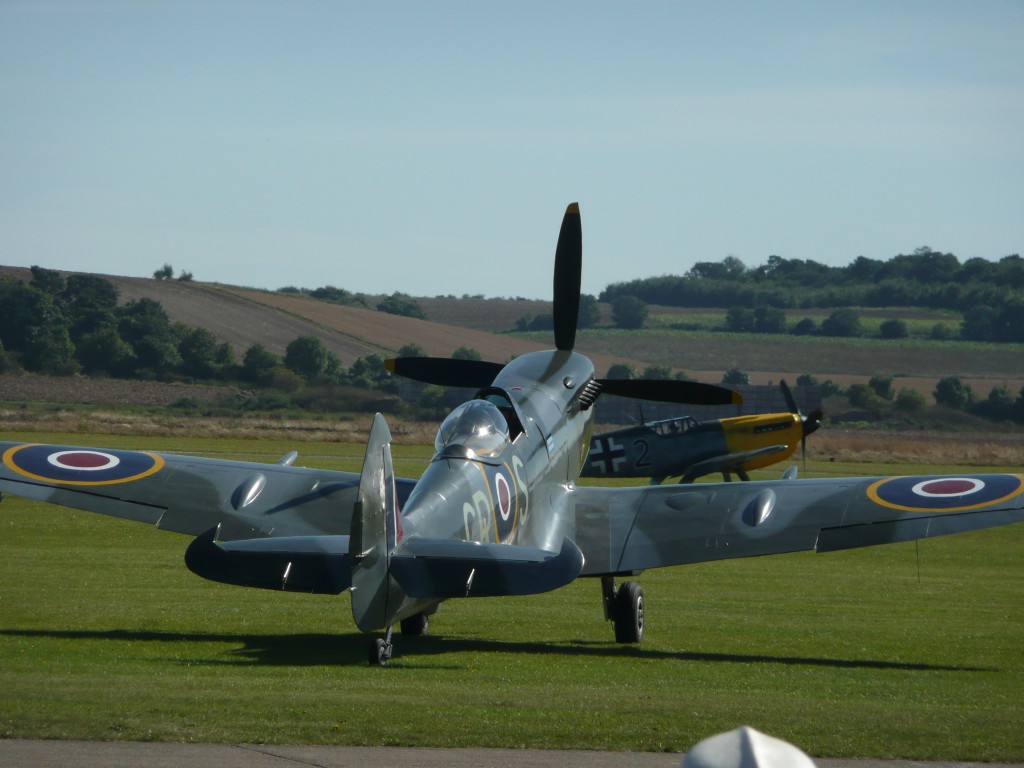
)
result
[(686, 448)]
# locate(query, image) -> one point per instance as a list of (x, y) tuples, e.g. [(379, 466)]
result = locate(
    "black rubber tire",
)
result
[(629, 613), (380, 652), (417, 624)]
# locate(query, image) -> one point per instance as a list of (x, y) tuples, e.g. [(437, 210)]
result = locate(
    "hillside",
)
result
[(244, 317)]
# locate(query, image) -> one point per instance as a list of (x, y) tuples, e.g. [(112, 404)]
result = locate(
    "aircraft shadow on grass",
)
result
[(313, 649)]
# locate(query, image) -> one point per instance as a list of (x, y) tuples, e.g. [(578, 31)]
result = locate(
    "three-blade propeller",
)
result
[(478, 374), (808, 423)]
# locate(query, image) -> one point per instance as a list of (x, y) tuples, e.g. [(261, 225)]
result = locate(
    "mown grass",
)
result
[(901, 651)]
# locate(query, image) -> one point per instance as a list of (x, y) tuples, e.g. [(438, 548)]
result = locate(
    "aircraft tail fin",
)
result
[(376, 531)]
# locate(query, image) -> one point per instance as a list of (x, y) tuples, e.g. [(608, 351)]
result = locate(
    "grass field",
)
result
[(903, 651)]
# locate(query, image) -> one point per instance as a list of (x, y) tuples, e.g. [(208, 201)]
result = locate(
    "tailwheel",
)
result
[(380, 650), (416, 624), (629, 613)]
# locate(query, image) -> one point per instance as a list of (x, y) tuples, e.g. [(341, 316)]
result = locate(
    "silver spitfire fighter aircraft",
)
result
[(497, 511)]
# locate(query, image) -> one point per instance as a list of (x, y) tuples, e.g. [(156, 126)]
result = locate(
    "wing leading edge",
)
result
[(625, 530)]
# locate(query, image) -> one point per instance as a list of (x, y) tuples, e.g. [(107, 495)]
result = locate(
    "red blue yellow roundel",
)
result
[(80, 466), (945, 494)]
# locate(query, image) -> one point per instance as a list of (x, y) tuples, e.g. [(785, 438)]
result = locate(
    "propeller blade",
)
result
[(445, 371), (787, 393), (810, 423), (671, 391), (568, 276)]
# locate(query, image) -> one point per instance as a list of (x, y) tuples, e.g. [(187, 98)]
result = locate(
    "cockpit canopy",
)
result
[(474, 430)]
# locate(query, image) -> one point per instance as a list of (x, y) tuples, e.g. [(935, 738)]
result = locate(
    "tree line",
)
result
[(989, 294), (65, 326)]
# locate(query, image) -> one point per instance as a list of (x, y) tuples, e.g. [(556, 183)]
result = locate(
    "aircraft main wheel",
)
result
[(629, 613), (380, 652), (416, 624)]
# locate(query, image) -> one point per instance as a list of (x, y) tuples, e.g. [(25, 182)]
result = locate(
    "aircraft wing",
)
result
[(186, 494), (729, 462), (624, 530)]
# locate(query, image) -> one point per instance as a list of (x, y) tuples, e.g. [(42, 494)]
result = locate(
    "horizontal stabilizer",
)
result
[(316, 564), (441, 568)]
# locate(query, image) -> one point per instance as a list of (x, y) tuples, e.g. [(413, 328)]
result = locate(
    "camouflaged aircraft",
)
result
[(497, 511), (686, 448)]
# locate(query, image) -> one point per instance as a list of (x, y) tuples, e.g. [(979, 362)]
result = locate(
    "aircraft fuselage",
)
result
[(505, 493)]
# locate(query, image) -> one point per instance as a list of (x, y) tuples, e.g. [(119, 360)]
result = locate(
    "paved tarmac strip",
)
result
[(26, 753)]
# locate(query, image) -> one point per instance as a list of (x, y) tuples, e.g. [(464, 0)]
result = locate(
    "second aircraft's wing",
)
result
[(728, 462), (622, 530), (183, 493)]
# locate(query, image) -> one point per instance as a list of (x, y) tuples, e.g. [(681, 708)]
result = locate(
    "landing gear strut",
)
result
[(380, 650), (625, 607)]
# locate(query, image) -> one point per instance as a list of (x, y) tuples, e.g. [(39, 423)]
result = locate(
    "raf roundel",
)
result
[(945, 494), (80, 466)]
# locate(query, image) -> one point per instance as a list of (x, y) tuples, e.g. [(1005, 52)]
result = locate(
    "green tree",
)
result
[(198, 349), (843, 322), (466, 353), (6, 361), (882, 386), (49, 349), (864, 396), (47, 280), (804, 327), (999, 405), (893, 329), (104, 351), (33, 327), (258, 364), (147, 329), (401, 304), (166, 272), (590, 312), (528, 323), (734, 377), (953, 393), (369, 372), (657, 372), (909, 401), (412, 350), (769, 319), (621, 371), (306, 356), (629, 312), (90, 303), (739, 320), (432, 397)]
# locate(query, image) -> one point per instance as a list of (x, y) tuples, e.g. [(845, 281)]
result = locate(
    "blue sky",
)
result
[(431, 148)]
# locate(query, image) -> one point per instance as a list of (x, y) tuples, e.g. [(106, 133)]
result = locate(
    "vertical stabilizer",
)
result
[(376, 530)]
